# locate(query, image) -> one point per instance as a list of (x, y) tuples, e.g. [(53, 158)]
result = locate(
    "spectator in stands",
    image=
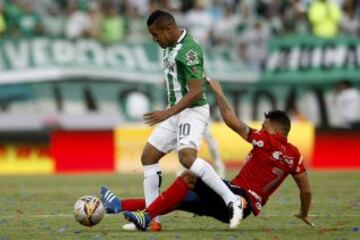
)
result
[(2, 20), (272, 12), (12, 12), (324, 16), (29, 22), (253, 45), (247, 18), (78, 22), (54, 22), (294, 18), (112, 26), (350, 24), (224, 30), (141, 6), (218, 8), (347, 102), (137, 30), (213, 22), (96, 17), (199, 22)]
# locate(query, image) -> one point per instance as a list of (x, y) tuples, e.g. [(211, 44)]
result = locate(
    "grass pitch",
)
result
[(40, 207)]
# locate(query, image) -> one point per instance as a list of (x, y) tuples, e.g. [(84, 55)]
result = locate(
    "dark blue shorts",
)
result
[(203, 201)]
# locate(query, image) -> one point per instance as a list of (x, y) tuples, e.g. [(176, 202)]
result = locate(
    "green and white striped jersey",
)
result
[(181, 63)]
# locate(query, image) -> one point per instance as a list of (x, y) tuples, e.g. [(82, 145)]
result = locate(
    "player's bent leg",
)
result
[(208, 175), (151, 155), (189, 178)]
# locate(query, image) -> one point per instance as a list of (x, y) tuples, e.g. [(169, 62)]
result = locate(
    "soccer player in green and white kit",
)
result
[(180, 126)]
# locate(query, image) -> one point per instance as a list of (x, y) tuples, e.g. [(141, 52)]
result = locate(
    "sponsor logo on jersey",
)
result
[(276, 155), (191, 58), (169, 65), (259, 143), (279, 156)]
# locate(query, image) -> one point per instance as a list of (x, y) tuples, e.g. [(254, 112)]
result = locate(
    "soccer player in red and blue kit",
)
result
[(270, 161)]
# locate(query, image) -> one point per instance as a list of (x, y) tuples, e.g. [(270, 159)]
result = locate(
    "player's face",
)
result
[(160, 35), (267, 126)]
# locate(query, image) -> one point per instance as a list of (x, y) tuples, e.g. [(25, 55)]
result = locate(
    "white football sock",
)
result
[(152, 182), (205, 171)]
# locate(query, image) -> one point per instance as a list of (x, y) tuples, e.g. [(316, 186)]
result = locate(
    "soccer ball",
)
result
[(89, 211)]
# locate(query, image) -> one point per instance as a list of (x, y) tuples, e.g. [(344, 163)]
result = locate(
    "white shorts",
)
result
[(183, 130)]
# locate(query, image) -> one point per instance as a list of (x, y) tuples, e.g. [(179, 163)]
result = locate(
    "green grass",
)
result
[(40, 207)]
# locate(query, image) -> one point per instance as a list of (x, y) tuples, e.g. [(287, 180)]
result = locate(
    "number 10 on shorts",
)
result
[(184, 130)]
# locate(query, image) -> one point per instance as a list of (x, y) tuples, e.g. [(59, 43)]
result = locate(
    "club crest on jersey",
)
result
[(191, 58)]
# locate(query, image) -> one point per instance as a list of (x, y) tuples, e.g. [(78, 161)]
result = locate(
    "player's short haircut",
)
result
[(160, 18), (281, 118)]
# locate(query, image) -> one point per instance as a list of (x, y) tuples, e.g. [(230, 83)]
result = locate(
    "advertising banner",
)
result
[(129, 143), (337, 149), (44, 59), (25, 158), (83, 151), (308, 59)]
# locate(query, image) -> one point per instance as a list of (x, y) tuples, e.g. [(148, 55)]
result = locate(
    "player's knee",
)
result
[(189, 178), (148, 159), (145, 160), (187, 157), (150, 155)]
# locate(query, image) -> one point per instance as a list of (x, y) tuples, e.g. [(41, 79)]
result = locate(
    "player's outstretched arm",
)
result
[(227, 113), (303, 184)]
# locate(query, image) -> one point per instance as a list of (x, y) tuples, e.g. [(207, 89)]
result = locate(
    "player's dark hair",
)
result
[(160, 17), (281, 118)]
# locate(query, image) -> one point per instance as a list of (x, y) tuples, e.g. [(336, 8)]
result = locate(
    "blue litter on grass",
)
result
[(355, 229), (62, 230), (4, 221), (98, 237)]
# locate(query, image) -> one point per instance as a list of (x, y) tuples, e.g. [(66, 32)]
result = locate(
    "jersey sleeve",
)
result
[(191, 62), (299, 167), (258, 138)]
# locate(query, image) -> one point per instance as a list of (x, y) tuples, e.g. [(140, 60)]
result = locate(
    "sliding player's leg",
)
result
[(166, 202), (114, 204), (192, 123), (203, 201)]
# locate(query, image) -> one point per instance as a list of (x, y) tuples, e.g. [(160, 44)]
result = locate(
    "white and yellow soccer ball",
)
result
[(89, 211)]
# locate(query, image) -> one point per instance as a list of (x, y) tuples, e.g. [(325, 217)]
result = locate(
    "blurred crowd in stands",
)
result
[(244, 24)]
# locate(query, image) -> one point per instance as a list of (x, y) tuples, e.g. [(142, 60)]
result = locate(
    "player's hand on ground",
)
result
[(305, 220), (152, 118)]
